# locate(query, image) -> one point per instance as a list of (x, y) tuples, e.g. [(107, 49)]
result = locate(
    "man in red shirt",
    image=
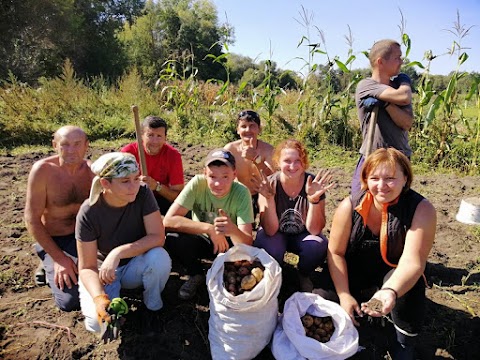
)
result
[(164, 163)]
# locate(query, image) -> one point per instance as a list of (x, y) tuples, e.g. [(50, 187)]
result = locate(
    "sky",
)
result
[(272, 29)]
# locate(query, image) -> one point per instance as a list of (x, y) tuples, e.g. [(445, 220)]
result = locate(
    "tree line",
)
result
[(109, 38)]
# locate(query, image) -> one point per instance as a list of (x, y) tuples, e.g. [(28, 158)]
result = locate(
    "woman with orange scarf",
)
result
[(379, 243)]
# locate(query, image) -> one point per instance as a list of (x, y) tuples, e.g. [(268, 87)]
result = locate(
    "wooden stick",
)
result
[(371, 131), (138, 133)]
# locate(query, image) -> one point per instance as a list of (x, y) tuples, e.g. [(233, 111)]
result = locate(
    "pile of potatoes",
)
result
[(242, 275), (318, 328)]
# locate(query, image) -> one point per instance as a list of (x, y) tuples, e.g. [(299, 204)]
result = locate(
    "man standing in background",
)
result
[(394, 99)]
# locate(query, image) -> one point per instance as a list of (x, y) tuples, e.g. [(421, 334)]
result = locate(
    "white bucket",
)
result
[(469, 211)]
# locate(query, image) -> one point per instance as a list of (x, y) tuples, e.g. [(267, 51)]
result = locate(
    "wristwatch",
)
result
[(258, 159), (159, 187)]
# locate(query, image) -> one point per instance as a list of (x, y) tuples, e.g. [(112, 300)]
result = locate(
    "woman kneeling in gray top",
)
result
[(119, 226)]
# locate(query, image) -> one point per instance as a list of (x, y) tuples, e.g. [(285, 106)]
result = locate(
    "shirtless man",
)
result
[(57, 186), (253, 157)]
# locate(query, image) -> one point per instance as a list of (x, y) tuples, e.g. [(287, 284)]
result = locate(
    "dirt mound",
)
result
[(32, 328)]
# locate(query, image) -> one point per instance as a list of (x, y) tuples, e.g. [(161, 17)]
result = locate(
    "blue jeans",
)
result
[(150, 270), (311, 249), (66, 299)]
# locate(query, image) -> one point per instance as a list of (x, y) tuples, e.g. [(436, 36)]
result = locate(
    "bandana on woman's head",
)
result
[(111, 166)]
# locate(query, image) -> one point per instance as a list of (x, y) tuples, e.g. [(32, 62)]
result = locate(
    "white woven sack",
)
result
[(290, 342), (241, 326)]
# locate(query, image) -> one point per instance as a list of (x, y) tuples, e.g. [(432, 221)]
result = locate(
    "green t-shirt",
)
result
[(197, 197)]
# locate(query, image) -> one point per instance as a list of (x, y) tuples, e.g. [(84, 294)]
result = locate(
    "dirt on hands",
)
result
[(375, 305)]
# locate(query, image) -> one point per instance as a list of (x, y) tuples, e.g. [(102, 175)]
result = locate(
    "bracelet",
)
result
[(311, 201), (392, 290)]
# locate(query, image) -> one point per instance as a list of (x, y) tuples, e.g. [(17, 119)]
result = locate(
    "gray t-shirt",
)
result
[(114, 226), (291, 212), (387, 133)]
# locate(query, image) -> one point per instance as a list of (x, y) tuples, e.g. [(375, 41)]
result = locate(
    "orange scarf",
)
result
[(363, 209)]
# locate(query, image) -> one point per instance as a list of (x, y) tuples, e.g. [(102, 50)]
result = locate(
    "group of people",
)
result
[(103, 226)]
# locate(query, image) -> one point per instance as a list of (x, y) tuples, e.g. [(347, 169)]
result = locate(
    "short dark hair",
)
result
[(382, 49), (249, 115), (154, 122)]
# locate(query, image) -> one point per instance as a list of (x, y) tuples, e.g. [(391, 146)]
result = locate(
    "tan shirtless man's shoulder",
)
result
[(58, 191)]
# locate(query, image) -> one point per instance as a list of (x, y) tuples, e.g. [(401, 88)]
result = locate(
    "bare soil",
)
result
[(32, 328)]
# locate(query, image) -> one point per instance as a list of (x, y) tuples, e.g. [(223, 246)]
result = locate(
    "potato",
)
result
[(258, 273), (328, 326), (247, 264), (243, 270), (228, 266), (307, 320), (248, 282)]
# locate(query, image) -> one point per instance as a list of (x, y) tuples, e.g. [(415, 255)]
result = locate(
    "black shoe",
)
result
[(40, 276), (190, 287)]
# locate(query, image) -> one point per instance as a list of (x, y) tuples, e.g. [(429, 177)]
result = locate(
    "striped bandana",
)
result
[(111, 166)]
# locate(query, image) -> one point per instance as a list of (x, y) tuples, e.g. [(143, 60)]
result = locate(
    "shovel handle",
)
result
[(138, 133)]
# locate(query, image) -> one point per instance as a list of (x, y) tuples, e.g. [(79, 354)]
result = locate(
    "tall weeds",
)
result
[(321, 113)]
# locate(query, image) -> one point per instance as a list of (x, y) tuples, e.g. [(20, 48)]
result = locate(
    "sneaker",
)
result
[(305, 283), (190, 287), (40, 275)]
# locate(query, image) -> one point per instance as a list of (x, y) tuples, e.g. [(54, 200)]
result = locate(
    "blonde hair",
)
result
[(291, 144), (391, 157), (382, 49)]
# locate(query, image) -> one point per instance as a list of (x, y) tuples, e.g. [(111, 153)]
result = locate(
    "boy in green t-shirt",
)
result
[(222, 216)]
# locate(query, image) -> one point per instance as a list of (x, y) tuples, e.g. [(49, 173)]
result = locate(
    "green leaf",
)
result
[(342, 66), (431, 112), (474, 89), (242, 86), (407, 42), (304, 38), (462, 58), (416, 63), (449, 90), (350, 59), (426, 97)]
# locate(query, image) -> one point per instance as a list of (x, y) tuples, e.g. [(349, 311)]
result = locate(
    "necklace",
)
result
[(293, 195)]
